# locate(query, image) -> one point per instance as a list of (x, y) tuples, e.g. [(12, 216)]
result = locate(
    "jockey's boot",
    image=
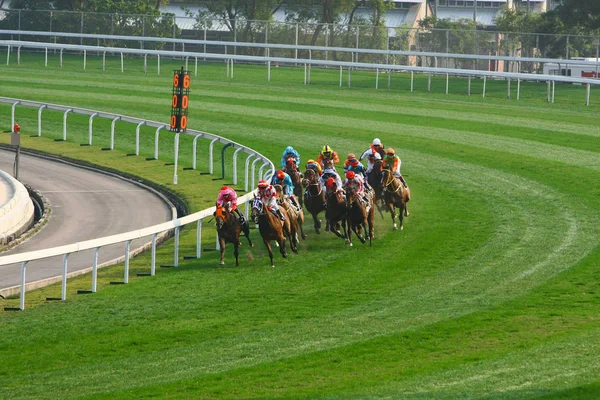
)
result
[(403, 181), (240, 216), (280, 215), (295, 203)]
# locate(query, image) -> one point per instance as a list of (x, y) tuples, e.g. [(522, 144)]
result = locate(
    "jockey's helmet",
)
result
[(330, 182), (326, 150), (280, 174), (376, 142), (354, 162), (311, 161), (289, 149), (350, 175), (262, 184), (390, 152), (224, 188), (351, 156)]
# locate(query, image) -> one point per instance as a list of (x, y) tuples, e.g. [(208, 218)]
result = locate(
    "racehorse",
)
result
[(394, 195), (336, 209), (314, 197), (229, 229), (270, 227), (296, 217), (359, 215), (374, 180), (292, 170)]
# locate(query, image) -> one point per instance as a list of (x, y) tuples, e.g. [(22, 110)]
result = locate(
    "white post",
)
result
[(548, 92), (153, 257), (227, 68), (112, 133), (309, 65), (137, 137), (260, 171), (268, 71), (176, 252), (412, 81), (103, 60), (553, 83), (19, 55), (349, 76), (145, 63), (156, 141), (469, 87), (199, 239), (186, 61), (246, 171), (253, 169), (305, 73), (14, 106), (447, 80), (210, 155), (8, 55), (65, 123), (231, 68), (217, 244), (122, 65), (194, 150), (40, 120), (84, 59), (484, 83), (90, 128), (158, 64), (126, 272), (196, 66), (235, 165), (46, 57), (95, 270), (508, 89), (176, 156), (429, 83), (587, 96), (377, 78), (61, 58), (518, 89), (340, 76), (22, 295), (64, 277)]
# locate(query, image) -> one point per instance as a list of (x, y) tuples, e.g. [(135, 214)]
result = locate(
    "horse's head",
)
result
[(377, 166), (310, 177), (279, 190), (220, 216), (257, 209)]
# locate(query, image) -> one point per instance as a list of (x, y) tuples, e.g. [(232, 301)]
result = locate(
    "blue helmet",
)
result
[(289, 149)]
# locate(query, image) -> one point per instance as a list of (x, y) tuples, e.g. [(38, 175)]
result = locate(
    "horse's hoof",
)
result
[(284, 255), (277, 244), (273, 266), (395, 227), (251, 244), (406, 214), (402, 227), (351, 244), (222, 263)]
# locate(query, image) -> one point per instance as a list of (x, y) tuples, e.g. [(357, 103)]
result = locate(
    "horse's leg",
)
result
[(317, 223), (371, 219), (349, 235), (268, 244), (393, 212), (301, 224), (236, 252), (292, 235), (281, 242), (406, 195), (222, 246), (363, 227)]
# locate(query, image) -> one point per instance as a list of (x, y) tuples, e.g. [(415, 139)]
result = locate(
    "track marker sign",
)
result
[(180, 100)]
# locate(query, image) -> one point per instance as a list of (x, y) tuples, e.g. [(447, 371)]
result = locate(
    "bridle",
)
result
[(389, 178)]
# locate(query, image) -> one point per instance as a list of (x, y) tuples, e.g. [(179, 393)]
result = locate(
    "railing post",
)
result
[(176, 156), (587, 96), (210, 155), (508, 89), (484, 83), (156, 141), (122, 65), (19, 55), (65, 124), (112, 133), (91, 129), (199, 239), (145, 63), (22, 295), (246, 171), (64, 277), (253, 169), (176, 250), (194, 149), (412, 81), (518, 89), (196, 66), (95, 270), (341, 77), (8, 48), (158, 63), (235, 176), (40, 119), (126, 272), (553, 85), (153, 257), (46, 57), (61, 58), (12, 114), (103, 61), (447, 82), (137, 137), (376, 78), (429, 83), (84, 59), (469, 86), (260, 171)]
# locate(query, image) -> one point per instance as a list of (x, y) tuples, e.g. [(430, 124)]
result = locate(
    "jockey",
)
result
[(328, 154), (315, 166), (355, 166), (283, 179), (268, 195), (371, 158), (376, 148), (330, 172), (357, 183), (228, 197), (394, 162), (289, 152)]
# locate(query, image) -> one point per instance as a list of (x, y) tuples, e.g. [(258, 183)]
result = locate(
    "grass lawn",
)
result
[(491, 290)]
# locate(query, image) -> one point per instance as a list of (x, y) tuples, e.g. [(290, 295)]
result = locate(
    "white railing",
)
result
[(266, 171), (230, 58)]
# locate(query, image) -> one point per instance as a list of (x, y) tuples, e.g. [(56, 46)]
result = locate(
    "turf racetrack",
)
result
[(491, 290)]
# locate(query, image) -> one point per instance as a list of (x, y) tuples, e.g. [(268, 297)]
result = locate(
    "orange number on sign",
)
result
[(173, 121), (176, 80), (184, 101), (183, 122), (174, 101), (186, 81)]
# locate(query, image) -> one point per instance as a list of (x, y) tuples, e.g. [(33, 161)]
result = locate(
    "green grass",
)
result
[(491, 291)]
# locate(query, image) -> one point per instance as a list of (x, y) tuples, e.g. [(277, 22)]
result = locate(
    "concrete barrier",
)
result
[(16, 209)]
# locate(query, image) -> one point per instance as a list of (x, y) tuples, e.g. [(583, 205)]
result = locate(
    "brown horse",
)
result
[(374, 180), (270, 227), (314, 197), (394, 195), (336, 210), (292, 170), (296, 217), (229, 229), (359, 215)]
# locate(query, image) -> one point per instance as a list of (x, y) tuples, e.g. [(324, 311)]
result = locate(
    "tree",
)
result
[(583, 13)]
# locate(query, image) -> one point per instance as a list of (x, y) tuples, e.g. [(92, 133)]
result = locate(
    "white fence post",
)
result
[(199, 238), (210, 155), (158, 64), (12, 114), (412, 81), (122, 65), (95, 270), (84, 59), (65, 124), (91, 129), (176, 156), (246, 171), (156, 141), (46, 57), (137, 137), (235, 175), (176, 250), (40, 119), (112, 132), (377, 78), (19, 55), (484, 83), (260, 171), (8, 55), (61, 58), (194, 149), (126, 272), (253, 169), (587, 96), (64, 277), (22, 294), (518, 89), (153, 257)]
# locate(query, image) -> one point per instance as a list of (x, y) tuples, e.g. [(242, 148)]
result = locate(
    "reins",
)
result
[(390, 178)]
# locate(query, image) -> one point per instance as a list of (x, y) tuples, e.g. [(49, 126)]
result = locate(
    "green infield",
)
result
[(490, 291)]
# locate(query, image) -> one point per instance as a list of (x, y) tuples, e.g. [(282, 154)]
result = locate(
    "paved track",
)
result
[(85, 205)]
